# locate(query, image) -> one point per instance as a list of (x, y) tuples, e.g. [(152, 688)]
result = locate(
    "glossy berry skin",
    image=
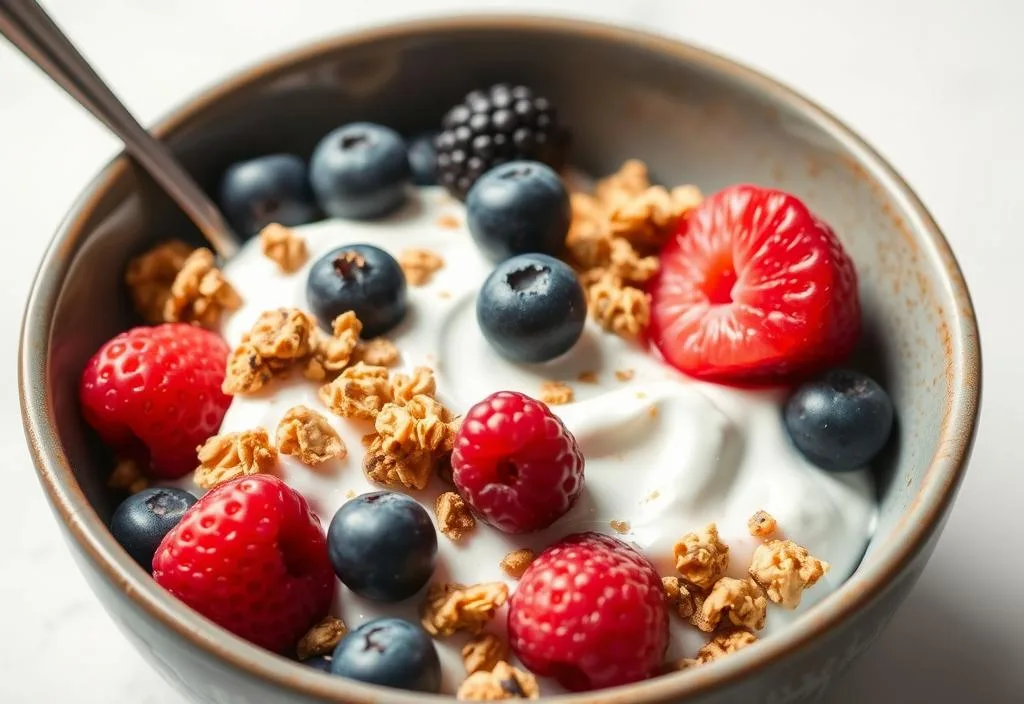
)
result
[(518, 208), (154, 393), (531, 308), (516, 464), (389, 652), (142, 520), (754, 288), (361, 278), (360, 171), (250, 556), (589, 612), (272, 188), (423, 159), (383, 545), (840, 420)]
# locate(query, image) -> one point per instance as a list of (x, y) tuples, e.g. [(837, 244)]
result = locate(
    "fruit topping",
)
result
[(531, 308), (360, 171), (516, 464), (493, 126), (360, 278), (389, 652), (423, 159), (383, 545), (589, 613), (322, 663), (840, 420), (267, 189), (753, 288), (518, 208), (155, 393), (250, 556), (142, 520)]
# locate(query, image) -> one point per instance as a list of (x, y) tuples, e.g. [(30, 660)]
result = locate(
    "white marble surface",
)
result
[(937, 86)]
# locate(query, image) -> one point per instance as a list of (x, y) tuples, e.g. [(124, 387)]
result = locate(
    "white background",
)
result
[(937, 86)]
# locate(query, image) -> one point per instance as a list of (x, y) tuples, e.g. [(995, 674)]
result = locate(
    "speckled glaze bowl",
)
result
[(694, 118)]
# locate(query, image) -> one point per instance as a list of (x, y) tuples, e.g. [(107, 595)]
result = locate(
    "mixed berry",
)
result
[(746, 287)]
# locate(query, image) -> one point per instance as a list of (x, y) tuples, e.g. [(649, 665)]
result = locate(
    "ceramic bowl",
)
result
[(694, 118)]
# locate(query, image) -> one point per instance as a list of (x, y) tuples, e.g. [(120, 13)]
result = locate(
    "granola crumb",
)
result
[(483, 652), (199, 292), (444, 295), (127, 476), (419, 265), (679, 597), (652, 411), (449, 222), (503, 682), (556, 393), (617, 307), (308, 435), (784, 570), (350, 494), (653, 496), (762, 525), (149, 277), (284, 246), (741, 601), (624, 374), (360, 392), (587, 377), (454, 519), (515, 563), (620, 526), (701, 558), (725, 643), (378, 352), (454, 607), (233, 455), (321, 638)]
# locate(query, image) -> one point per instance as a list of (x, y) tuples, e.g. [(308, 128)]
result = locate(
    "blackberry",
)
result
[(490, 127)]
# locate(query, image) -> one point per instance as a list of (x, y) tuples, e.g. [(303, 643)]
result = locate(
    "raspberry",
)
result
[(154, 393), (589, 612), (250, 556), (515, 463)]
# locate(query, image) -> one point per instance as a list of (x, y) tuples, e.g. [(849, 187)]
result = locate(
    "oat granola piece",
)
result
[(378, 352), (360, 392), (200, 293), (587, 377), (515, 563), (127, 476), (420, 383), (620, 526), (454, 519), (503, 682), (321, 638), (308, 435), (741, 601), (247, 372), (401, 470), (278, 340), (421, 423), (762, 525), (149, 277), (455, 607), (617, 307), (701, 558), (589, 238), (555, 393), (334, 352), (725, 643), (679, 597), (232, 455), (648, 218), (284, 246), (419, 265), (784, 570), (625, 263), (624, 374), (629, 181), (483, 652)]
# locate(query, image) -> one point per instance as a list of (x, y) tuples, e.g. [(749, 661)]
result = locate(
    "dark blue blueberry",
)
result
[(389, 652), (839, 421), (423, 160), (382, 545), (143, 519), (518, 208), (322, 663), (267, 189), (361, 278), (531, 308), (360, 171)]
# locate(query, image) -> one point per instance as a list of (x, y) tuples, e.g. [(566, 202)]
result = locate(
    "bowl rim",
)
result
[(925, 514)]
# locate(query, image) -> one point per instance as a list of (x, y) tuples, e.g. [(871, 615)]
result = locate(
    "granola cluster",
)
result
[(454, 607), (556, 393), (232, 455), (284, 246), (307, 435), (483, 652), (701, 558), (321, 639), (454, 519), (419, 265), (502, 682), (785, 569)]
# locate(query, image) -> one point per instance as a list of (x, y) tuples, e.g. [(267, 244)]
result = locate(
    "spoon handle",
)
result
[(31, 30)]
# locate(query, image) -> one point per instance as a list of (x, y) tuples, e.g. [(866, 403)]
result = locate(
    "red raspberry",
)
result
[(516, 464), (754, 288), (250, 556), (155, 392), (589, 612)]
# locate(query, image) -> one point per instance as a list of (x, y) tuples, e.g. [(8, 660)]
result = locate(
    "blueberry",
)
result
[(516, 208), (267, 189), (531, 308), (359, 171), (382, 545), (839, 421), (423, 160), (143, 519), (322, 663), (389, 652), (361, 278)]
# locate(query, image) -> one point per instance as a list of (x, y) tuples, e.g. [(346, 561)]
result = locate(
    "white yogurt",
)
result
[(663, 453)]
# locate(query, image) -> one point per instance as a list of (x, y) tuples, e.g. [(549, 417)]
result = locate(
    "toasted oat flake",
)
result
[(725, 643), (321, 639), (624, 374), (556, 393), (762, 525), (149, 277), (419, 265), (620, 526), (455, 607), (483, 652), (421, 423), (741, 601), (785, 569), (361, 391), (127, 476), (503, 682), (200, 293), (515, 563), (232, 455), (395, 468), (701, 558), (284, 246), (308, 435), (679, 597), (454, 519), (378, 352), (587, 377), (420, 382)]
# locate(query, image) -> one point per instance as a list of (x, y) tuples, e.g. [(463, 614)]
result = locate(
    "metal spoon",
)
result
[(31, 30)]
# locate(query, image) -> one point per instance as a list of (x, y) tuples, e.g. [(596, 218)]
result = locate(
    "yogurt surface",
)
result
[(664, 454)]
